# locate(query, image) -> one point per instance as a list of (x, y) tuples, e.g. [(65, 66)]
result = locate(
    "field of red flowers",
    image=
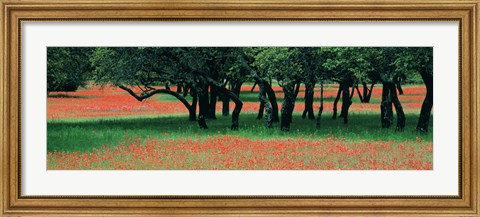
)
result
[(111, 101), (238, 153), (230, 150)]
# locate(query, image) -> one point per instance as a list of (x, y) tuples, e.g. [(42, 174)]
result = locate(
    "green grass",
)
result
[(84, 134)]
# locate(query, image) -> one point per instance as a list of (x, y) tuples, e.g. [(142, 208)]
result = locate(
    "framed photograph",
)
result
[(227, 108)]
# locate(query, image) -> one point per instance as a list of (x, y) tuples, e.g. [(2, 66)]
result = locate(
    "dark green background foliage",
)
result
[(67, 68)]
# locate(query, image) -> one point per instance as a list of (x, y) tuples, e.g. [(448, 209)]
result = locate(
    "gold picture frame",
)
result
[(15, 12)]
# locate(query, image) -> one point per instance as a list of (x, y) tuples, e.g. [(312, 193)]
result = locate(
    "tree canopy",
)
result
[(208, 74), (67, 68)]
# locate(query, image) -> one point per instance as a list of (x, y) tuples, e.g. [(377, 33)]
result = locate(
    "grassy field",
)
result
[(70, 135), (108, 129)]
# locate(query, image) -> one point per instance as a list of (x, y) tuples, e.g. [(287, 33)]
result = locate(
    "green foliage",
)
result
[(346, 63), (283, 64), (413, 61), (153, 65), (67, 68)]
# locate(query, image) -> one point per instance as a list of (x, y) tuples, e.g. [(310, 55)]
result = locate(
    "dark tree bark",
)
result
[(320, 110), (179, 88), (287, 106), (398, 107), (253, 87), (370, 91), (340, 88), (353, 90), (234, 97), (399, 86), (309, 93), (212, 104), (425, 112), (225, 106), (292, 106), (386, 112), (346, 106), (265, 104), (346, 102), (297, 90), (186, 89), (359, 94), (365, 93), (203, 104), (193, 112), (389, 98), (236, 87), (260, 110), (273, 102)]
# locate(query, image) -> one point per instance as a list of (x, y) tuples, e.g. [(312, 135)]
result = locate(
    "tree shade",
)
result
[(211, 74)]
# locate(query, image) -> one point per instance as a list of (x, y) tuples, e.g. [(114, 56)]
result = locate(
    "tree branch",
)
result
[(149, 94)]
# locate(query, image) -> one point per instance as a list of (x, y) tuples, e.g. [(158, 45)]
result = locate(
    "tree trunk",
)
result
[(336, 101), (225, 106), (287, 106), (349, 94), (234, 97), (273, 102), (398, 107), (353, 90), (186, 89), (399, 88), (260, 110), (265, 104), (359, 94), (297, 90), (386, 112), (237, 86), (212, 104), (253, 87), (365, 93), (346, 102), (193, 110), (370, 91), (425, 112), (320, 110), (179, 88), (203, 105), (309, 93), (398, 82), (292, 106)]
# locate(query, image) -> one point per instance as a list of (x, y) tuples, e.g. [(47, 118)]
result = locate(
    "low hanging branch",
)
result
[(157, 91)]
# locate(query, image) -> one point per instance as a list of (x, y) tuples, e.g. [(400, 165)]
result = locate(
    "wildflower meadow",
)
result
[(107, 129), (240, 108)]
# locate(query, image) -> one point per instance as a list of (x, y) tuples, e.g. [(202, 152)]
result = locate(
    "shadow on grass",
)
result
[(86, 134)]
